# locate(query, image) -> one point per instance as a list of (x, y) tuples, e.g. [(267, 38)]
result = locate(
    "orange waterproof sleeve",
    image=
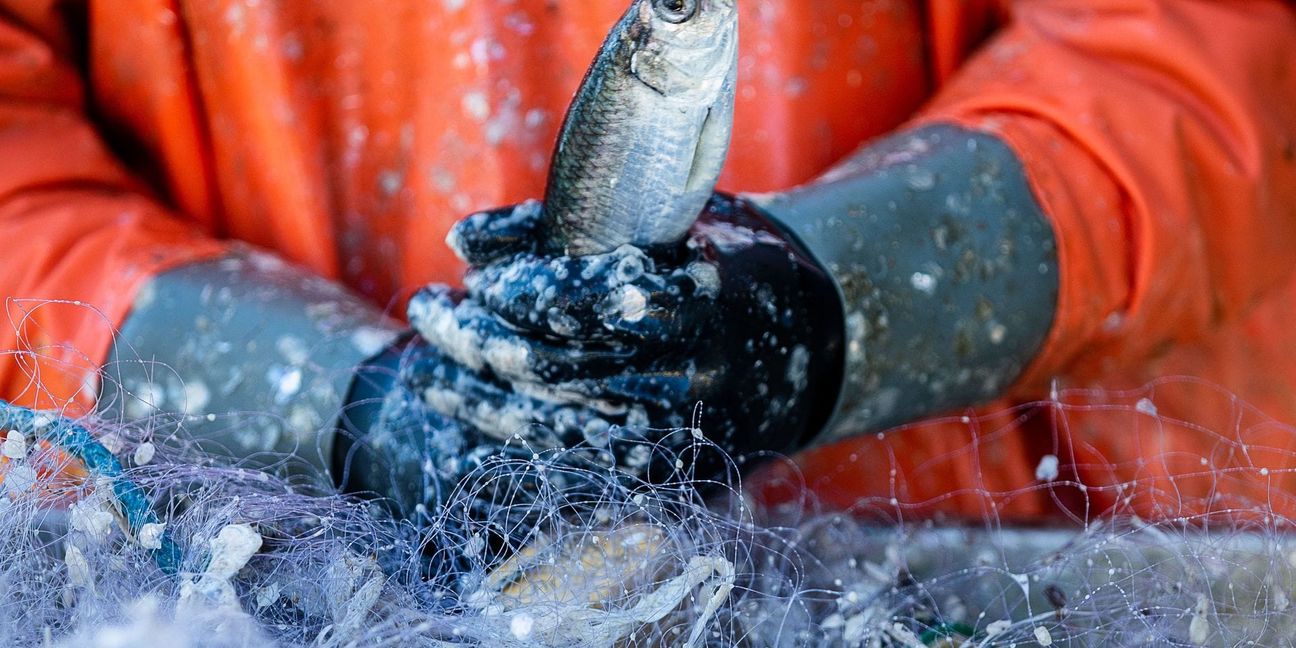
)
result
[(1160, 136), (79, 234)]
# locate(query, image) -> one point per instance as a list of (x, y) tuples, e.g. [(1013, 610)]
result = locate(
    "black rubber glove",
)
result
[(417, 423), (941, 276), (737, 318), (453, 480)]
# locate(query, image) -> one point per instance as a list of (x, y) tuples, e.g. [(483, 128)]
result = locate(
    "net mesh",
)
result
[(1176, 534)]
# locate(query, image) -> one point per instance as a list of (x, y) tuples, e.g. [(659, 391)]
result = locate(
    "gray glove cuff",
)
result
[(251, 357), (947, 268)]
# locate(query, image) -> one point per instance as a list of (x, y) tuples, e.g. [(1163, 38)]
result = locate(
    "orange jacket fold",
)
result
[(81, 235)]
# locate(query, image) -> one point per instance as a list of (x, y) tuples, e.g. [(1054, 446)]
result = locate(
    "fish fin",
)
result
[(711, 150), (713, 138)]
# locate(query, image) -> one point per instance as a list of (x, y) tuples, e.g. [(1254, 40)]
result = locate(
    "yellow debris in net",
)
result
[(601, 567), (601, 587)]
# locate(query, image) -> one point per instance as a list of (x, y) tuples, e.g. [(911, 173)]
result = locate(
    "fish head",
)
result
[(684, 49)]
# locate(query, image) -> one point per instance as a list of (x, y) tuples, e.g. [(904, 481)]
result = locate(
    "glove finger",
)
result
[(556, 295), (495, 234), (600, 297), (662, 390), (497, 411), (658, 312), (475, 338)]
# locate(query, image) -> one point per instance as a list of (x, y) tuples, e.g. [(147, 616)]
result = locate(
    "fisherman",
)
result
[(941, 205)]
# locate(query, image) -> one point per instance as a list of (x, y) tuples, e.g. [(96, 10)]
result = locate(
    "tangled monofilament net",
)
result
[(619, 561)]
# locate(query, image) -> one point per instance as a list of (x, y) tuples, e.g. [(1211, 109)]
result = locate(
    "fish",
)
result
[(647, 133)]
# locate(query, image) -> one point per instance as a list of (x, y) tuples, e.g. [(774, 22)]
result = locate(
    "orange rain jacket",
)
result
[(1160, 135)]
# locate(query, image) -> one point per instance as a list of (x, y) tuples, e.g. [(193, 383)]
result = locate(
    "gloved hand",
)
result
[(737, 319), (918, 276)]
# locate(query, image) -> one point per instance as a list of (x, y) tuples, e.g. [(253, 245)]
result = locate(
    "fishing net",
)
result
[(1169, 546)]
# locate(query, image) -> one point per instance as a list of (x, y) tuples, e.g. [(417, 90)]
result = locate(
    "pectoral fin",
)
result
[(712, 147)]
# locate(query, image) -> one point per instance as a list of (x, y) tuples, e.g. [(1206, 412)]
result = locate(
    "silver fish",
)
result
[(647, 133)]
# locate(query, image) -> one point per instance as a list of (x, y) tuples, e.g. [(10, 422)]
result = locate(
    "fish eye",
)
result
[(675, 11)]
